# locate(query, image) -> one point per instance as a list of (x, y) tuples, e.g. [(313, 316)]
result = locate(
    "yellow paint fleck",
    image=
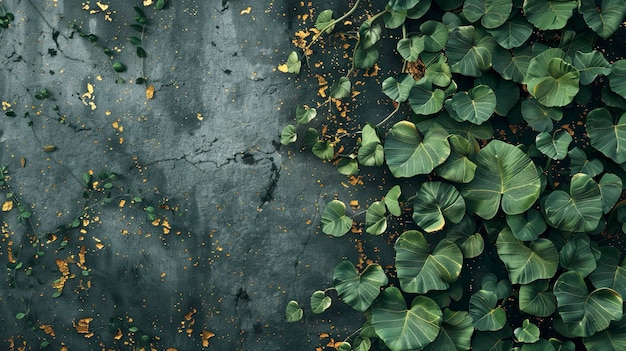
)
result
[(246, 11), (7, 206), (122, 203), (199, 116), (283, 68), (150, 92)]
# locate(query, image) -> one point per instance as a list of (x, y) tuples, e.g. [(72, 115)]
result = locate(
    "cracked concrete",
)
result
[(236, 235)]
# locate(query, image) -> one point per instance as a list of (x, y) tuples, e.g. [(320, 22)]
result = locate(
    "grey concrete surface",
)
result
[(237, 234)]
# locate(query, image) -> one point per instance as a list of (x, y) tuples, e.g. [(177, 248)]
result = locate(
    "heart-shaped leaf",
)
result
[(528, 333), (604, 20), (371, 152), (411, 47), (476, 105), (397, 5), (577, 255), (525, 264), (540, 117), (341, 88), (325, 21), (439, 74), (365, 58), (394, 19), (554, 145), (464, 235), (611, 190), (611, 339), (485, 315), (513, 33), (403, 328), (419, 10), (293, 63), (435, 35), (502, 288), (435, 203), (578, 211), (398, 89), (419, 270), (288, 135), (505, 177), (526, 226), (320, 301), (391, 200), (537, 299), (607, 136), (369, 34), (469, 51), (304, 114), (617, 79), (293, 311), (407, 154), (455, 333), (549, 14), (610, 273), (584, 313), (552, 80), (358, 290), (491, 13), (590, 65), (334, 219), (493, 340), (458, 166), (323, 150), (376, 218), (512, 65), (579, 163), (424, 100), (507, 92)]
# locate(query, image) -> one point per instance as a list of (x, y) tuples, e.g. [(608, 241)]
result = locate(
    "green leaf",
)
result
[(20, 315), (424, 100), (455, 333), (536, 299), (369, 34), (141, 53), (554, 145), (365, 58), (580, 164), (611, 190), (293, 63), (435, 35), (458, 167), (324, 150), (617, 79), (135, 41), (435, 203), (324, 21), (527, 333), (505, 177), (513, 33), (397, 5), (439, 74), (605, 135), (539, 117), (407, 154), (419, 270), (419, 10), (526, 264), (371, 152), (590, 65), (411, 47), (610, 273), (288, 134), (549, 14), (118, 67), (507, 92), (485, 315), (358, 290), (159, 5), (611, 339), (604, 20), (311, 137), (476, 105), (469, 51), (293, 311), (512, 65), (391, 200), (398, 90), (320, 302), (403, 328), (526, 226), (348, 166), (304, 114), (493, 340), (464, 235), (551, 80), (341, 88), (334, 219), (576, 255), (491, 13), (376, 218), (540, 345), (578, 211), (584, 313), (394, 19)]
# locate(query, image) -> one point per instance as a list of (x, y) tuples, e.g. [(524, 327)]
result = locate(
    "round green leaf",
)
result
[(549, 14), (324, 22), (469, 51), (554, 145), (435, 203), (617, 79), (512, 65), (435, 35), (405, 329), (611, 190), (419, 10), (320, 302), (455, 333), (304, 114), (341, 88), (369, 34), (358, 290), (365, 58), (348, 166), (526, 264), (584, 314), (473, 246), (551, 80), (526, 226), (293, 311), (578, 211), (502, 288), (407, 154), (476, 105), (439, 74), (513, 33), (288, 134), (507, 92), (398, 90), (397, 5), (580, 164), (576, 255), (485, 315), (311, 137), (376, 218), (611, 339), (604, 20), (394, 19), (536, 299), (324, 150), (293, 63), (334, 219), (590, 65), (419, 270), (426, 101), (411, 47), (527, 333), (458, 166), (610, 273), (505, 177), (492, 13), (391, 200), (464, 234), (607, 136)]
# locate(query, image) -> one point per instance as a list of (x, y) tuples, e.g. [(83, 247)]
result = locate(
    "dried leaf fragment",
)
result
[(22, 162), (206, 335), (82, 327), (49, 148), (150, 92), (7, 206)]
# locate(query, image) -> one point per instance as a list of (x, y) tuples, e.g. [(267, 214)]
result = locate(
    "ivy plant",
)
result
[(509, 120)]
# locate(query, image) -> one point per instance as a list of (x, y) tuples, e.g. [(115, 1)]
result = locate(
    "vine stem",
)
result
[(321, 32), (389, 116), (353, 334)]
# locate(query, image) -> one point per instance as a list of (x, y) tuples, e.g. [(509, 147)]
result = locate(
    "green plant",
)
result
[(461, 70)]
